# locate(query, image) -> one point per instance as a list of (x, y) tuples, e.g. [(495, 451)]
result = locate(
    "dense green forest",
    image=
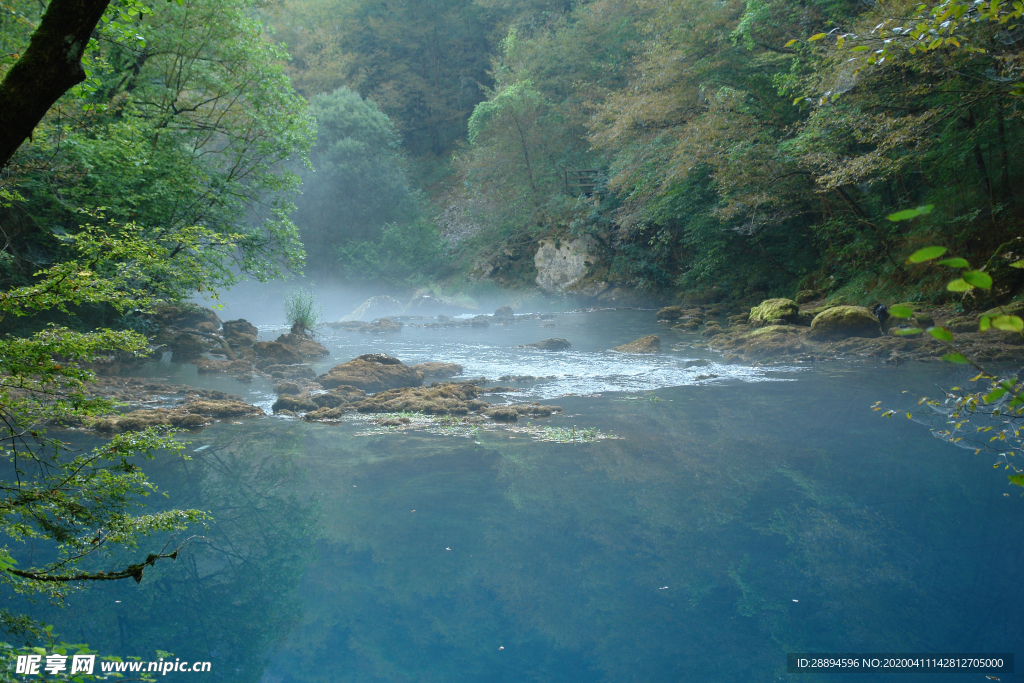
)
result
[(728, 151), (739, 152), (736, 151)]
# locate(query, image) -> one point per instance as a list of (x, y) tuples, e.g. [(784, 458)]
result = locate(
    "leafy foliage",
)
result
[(358, 181), (78, 504), (185, 127)]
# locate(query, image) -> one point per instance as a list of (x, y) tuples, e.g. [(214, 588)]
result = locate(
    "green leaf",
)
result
[(1017, 264), (984, 323), (955, 263), (941, 333), (908, 214), (859, 48), (899, 311), (955, 358), (978, 279), (1010, 323), (816, 36), (959, 285), (995, 395), (926, 254), (1017, 479), (792, 42), (906, 331), (6, 561)]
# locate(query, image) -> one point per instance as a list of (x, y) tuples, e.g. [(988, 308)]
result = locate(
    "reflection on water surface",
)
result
[(734, 521)]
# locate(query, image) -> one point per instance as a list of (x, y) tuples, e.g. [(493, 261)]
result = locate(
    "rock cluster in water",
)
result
[(377, 383), (166, 405), (781, 330), (197, 335)]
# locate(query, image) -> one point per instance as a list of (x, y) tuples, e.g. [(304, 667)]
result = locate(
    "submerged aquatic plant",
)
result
[(572, 435)]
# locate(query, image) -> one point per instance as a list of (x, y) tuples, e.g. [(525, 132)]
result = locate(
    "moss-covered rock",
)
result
[(504, 312), (194, 414), (371, 372), (339, 396), (649, 344), (439, 370), (240, 326), (295, 403), (806, 295), (379, 326), (450, 398), (278, 352), (774, 341), (291, 388), (774, 312), (553, 344), (842, 322), (303, 345), (210, 367), (269, 367), (185, 316), (186, 347), (669, 313), (502, 413), (326, 414)]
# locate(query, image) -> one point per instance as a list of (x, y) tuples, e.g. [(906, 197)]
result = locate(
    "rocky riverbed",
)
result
[(783, 331)]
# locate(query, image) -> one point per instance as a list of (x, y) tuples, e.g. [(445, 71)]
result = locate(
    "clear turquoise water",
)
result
[(737, 519)]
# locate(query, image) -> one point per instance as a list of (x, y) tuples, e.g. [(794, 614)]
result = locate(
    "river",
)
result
[(710, 519)]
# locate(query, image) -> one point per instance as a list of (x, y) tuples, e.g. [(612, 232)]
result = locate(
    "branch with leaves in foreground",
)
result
[(77, 506), (990, 419)]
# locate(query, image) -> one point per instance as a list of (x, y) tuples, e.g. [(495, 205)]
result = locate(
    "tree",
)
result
[(421, 62), (358, 181), (77, 504), (191, 125), (50, 66)]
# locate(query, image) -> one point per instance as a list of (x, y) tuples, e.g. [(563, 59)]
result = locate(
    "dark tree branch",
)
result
[(49, 67)]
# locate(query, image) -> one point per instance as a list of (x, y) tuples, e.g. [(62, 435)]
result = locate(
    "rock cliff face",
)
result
[(564, 266)]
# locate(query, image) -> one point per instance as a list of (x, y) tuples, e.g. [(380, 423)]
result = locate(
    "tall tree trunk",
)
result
[(49, 67)]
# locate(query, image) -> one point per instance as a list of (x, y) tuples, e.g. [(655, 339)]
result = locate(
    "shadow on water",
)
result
[(230, 596), (731, 523)]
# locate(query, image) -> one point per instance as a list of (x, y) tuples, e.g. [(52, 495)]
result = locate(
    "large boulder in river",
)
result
[(187, 347), (278, 352), (505, 312), (240, 333), (649, 344), (553, 344), (439, 370), (774, 312), (339, 396), (185, 316), (301, 403), (669, 313), (303, 345), (841, 322), (371, 372), (240, 326)]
